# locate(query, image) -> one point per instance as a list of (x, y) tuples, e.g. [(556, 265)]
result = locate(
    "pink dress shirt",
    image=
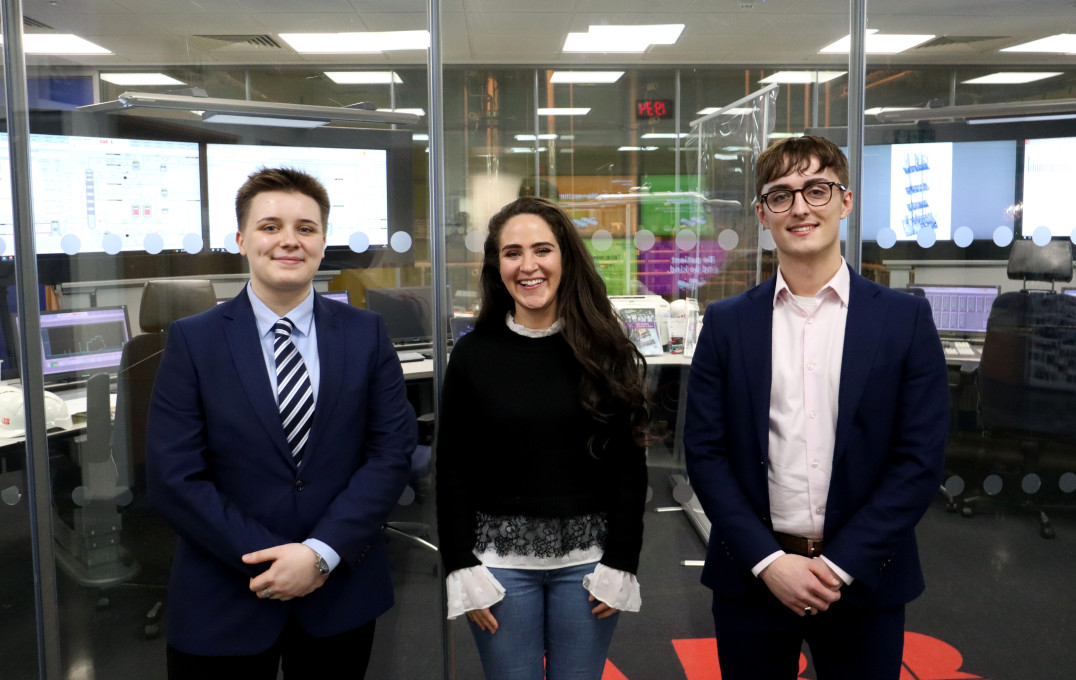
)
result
[(808, 345)]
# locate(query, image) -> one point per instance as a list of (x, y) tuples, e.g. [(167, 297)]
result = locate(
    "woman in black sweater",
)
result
[(541, 468)]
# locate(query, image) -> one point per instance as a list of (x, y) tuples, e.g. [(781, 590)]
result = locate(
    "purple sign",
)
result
[(666, 270)]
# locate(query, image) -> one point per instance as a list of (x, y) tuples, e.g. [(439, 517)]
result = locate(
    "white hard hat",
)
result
[(13, 414)]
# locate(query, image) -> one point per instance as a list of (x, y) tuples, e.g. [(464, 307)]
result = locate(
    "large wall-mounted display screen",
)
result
[(1049, 168), (356, 179), (98, 194), (940, 186)]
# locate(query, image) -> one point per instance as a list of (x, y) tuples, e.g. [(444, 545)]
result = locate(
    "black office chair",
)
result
[(1027, 382), (145, 534)]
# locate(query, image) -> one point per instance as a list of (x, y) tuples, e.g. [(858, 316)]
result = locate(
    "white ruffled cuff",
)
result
[(618, 589), (472, 588)]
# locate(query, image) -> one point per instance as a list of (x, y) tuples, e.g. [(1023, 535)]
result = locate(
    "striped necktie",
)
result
[(295, 395)]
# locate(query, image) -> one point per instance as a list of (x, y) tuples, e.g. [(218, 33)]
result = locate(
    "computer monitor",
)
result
[(960, 309), (1069, 291), (1048, 168), (78, 343), (338, 295), (408, 312), (461, 326), (357, 181)]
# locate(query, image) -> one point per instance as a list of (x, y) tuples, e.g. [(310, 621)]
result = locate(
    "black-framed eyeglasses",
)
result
[(817, 195)]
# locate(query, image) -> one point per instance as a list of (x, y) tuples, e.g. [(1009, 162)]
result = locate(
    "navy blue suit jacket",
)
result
[(220, 471), (892, 423)]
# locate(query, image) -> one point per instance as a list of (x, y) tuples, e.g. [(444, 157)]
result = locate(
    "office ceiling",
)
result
[(737, 32)]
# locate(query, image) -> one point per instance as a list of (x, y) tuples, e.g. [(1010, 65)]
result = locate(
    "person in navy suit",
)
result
[(280, 558), (815, 437)]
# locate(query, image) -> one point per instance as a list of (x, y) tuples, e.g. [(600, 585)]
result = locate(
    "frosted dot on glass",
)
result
[(728, 239), (474, 241), (602, 240), (686, 239), (1041, 236), (765, 239), (3, 246), (644, 240), (887, 238), (231, 245), (400, 241), (192, 243), (926, 237), (112, 243), (358, 242), (153, 243), (70, 244), (1002, 236), (963, 236), (1072, 237)]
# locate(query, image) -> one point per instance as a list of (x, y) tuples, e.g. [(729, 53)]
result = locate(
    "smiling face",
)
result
[(530, 267), (805, 233), (284, 241)]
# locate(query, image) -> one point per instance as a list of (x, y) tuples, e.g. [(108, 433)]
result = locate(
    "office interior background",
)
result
[(129, 124)]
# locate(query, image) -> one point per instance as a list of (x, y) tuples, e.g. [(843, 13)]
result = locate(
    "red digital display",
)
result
[(653, 108)]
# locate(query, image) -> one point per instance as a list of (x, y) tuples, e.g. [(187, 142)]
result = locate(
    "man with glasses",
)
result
[(815, 435)]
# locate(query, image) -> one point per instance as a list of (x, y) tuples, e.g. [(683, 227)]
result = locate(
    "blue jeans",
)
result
[(545, 613)]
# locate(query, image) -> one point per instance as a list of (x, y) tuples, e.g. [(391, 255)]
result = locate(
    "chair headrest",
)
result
[(1052, 262), (167, 300)]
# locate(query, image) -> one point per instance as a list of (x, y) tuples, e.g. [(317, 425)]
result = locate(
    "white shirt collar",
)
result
[(301, 317)]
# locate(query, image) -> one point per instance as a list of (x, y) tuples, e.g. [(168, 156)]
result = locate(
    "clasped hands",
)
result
[(292, 572), (804, 585)]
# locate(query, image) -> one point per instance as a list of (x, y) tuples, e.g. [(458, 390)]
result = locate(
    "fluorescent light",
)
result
[(564, 111), (525, 149), (586, 77), (882, 109), (735, 111), (1011, 78), (878, 43), (531, 138), (417, 112), (785, 135), (58, 43), (126, 79), (236, 119), (622, 38), (802, 77), (638, 148), (1062, 43), (664, 135), (363, 77), (1020, 119), (421, 137), (356, 43)]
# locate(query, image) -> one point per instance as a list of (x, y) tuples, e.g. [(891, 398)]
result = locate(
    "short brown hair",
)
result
[(288, 180), (796, 153)]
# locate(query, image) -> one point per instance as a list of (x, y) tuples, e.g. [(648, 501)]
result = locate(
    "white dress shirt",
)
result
[(807, 349), (304, 336)]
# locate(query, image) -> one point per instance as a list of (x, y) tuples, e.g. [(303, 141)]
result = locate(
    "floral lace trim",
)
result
[(532, 332), (541, 537)]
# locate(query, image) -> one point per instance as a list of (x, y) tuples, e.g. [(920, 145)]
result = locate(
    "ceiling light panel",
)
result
[(802, 77), (586, 77), (578, 111), (623, 39), (58, 43), (363, 77), (1011, 78), (1062, 43), (356, 43), (878, 43), (127, 79)]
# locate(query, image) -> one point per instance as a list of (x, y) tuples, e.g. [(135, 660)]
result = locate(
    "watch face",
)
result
[(321, 564)]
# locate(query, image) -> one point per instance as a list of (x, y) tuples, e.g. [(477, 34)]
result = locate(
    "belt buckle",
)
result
[(814, 548)]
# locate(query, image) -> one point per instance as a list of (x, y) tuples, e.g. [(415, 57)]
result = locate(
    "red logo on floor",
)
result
[(925, 658)]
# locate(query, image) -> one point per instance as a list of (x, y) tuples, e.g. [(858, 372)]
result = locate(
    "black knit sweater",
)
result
[(513, 441)]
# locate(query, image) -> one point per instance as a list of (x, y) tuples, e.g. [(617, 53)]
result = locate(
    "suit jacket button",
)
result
[(299, 484)]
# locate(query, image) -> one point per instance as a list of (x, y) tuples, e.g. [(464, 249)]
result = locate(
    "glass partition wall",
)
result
[(126, 189)]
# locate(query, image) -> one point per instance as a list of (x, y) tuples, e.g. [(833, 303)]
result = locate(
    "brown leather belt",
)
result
[(798, 545)]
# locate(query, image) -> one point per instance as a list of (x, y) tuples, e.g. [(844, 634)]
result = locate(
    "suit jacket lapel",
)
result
[(862, 333), (330, 341), (756, 341), (241, 331)]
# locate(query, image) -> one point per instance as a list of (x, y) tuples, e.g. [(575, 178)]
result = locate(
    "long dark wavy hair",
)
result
[(613, 384)]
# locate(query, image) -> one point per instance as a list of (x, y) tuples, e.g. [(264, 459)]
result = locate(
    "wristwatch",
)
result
[(320, 564)]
